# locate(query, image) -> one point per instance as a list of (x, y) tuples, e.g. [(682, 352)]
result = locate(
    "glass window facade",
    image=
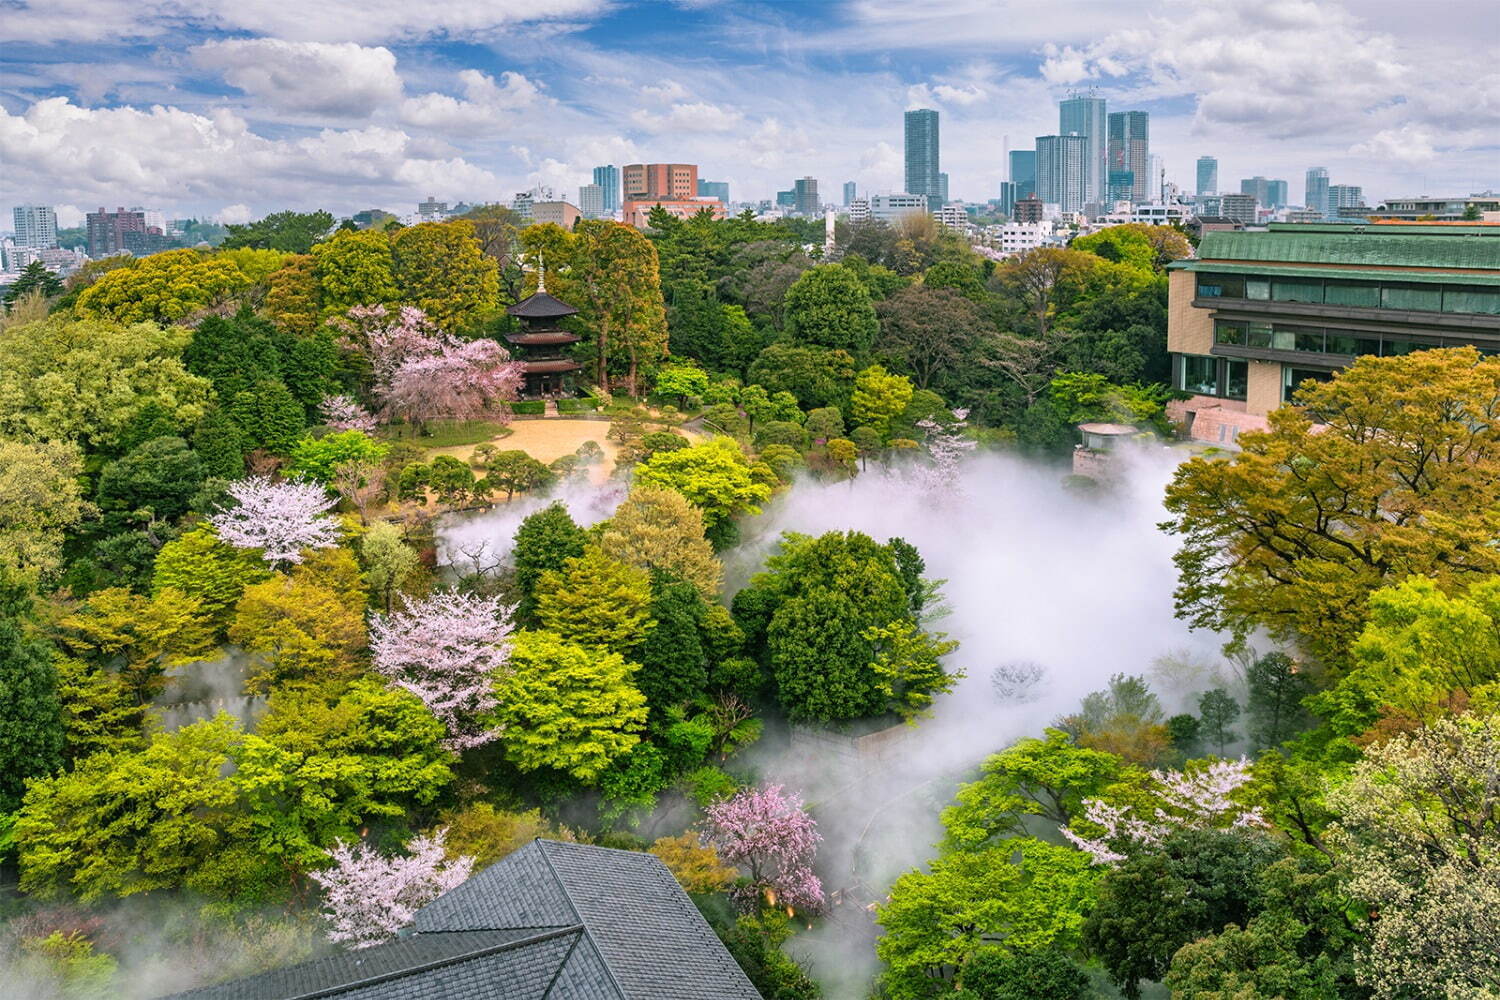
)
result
[(1456, 298), (1323, 340), (1204, 375), (1291, 378)]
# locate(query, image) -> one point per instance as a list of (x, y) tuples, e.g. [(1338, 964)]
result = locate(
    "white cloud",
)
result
[(168, 156), (698, 116), (1407, 144), (485, 103), (965, 95), (234, 215), (344, 80), (667, 90), (69, 216)]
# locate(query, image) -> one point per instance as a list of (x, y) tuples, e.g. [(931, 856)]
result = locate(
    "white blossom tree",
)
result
[(282, 520), (343, 413), (448, 650), (368, 897), (947, 445)]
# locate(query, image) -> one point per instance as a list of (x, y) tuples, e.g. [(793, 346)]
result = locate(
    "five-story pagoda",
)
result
[(538, 345)]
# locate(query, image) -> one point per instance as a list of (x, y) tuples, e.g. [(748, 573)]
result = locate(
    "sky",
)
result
[(230, 109)]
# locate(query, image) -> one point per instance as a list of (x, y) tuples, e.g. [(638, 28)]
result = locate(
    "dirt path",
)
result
[(548, 440)]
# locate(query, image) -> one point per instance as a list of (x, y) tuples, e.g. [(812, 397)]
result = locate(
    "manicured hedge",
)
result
[(577, 405), (529, 406)]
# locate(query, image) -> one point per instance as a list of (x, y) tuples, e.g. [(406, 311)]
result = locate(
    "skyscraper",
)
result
[(591, 200), (922, 169), (36, 226), (714, 189), (1023, 172), (1208, 176), (805, 191), (1085, 116), (1269, 193), (1276, 196), (608, 179), (943, 187), (850, 193), (1060, 171), (1130, 152), (1342, 197), (1315, 191)]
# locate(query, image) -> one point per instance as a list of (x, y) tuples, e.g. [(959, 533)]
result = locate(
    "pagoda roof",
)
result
[(542, 338), (551, 366), (540, 305)]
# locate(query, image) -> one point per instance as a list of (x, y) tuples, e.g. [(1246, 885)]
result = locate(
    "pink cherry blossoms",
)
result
[(769, 833), (281, 519), (447, 649), (1199, 799), (946, 447), (342, 413), (368, 897)]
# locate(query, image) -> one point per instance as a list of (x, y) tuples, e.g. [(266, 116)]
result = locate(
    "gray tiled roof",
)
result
[(552, 921)]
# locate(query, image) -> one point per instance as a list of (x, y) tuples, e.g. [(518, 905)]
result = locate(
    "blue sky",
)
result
[(233, 109)]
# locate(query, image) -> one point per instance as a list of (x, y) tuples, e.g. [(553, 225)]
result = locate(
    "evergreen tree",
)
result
[(31, 732), (35, 278), (1217, 711), (1276, 693), (219, 445), (674, 667), (545, 541), (268, 416)]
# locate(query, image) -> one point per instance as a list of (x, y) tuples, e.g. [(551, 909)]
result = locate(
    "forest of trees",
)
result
[(239, 683)]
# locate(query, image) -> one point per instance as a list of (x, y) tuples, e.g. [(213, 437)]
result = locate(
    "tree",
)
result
[(197, 564), (828, 306), (153, 483), (461, 381), (1049, 777), (342, 413), (1193, 884), (567, 708), (824, 423), (1298, 529), (658, 529), (219, 445), (932, 333), (1419, 842), (140, 637), (355, 268), (308, 626), (1038, 975), (268, 416), (769, 833), (315, 459), (165, 287), (440, 268), (714, 476), (449, 650), (682, 381), (1124, 719), (595, 601), (1019, 897), (1217, 711), (31, 730), (280, 519), (294, 301), (814, 376), (1044, 281), (1277, 686), (389, 562), (1141, 246), (85, 380), (545, 541), (34, 278), (290, 232), (696, 865), (908, 667), (879, 397), (41, 499), (367, 898), (674, 666), (514, 470)]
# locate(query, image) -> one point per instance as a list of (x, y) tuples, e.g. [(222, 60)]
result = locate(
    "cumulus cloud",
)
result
[(345, 79), (168, 156), (486, 102), (1407, 144), (234, 215), (698, 116), (667, 90)]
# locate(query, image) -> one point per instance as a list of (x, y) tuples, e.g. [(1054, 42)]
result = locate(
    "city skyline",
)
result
[(247, 110)]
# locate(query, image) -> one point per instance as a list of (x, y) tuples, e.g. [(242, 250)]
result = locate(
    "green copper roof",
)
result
[(1319, 245), (1346, 273)]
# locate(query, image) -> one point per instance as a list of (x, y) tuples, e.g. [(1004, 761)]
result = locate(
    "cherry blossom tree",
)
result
[(343, 413), (281, 519), (448, 650), (946, 448), (1202, 799), (368, 897), (461, 380), (389, 340), (769, 833)]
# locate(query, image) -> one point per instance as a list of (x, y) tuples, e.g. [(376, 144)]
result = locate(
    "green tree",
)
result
[(293, 299), (514, 470), (440, 268), (714, 476), (1298, 528), (682, 381), (317, 458), (355, 268), (268, 416), (814, 376), (35, 278), (164, 287), (656, 528), (31, 730), (908, 665), (141, 637), (307, 626), (154, 482), (879, 398), (828, 306), (1277, 685), (567, 708), (1019, 897), (1049, 777), (197, 564), (1124, 719), (673, 663), (933, 334), (389, 562), (595, 601), (825, 423), (290, 232), (544, 542), (991, 974), (1217, 711), (41, 499), (219, 445)]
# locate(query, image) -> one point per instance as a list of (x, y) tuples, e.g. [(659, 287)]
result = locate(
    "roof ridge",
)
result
[(587, 931), (494, 949)]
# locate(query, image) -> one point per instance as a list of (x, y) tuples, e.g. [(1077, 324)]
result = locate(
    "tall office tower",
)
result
[(714, 189), (1208, 175), (1276, 196), (922, 170), (1345, 200), (591, 200), (1315, 191), (1084, 114), (659, 182), (805, 194), (943, 187), (1007, 198), (1130, 152), (1023, 172), (1060, 171), (608, 179), (36, 226), (850, 193), (1258, 188)]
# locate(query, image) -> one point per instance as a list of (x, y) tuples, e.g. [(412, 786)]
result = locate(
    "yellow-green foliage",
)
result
[(165, 287)]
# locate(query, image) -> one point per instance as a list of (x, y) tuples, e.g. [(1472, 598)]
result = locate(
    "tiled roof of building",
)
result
[(1473, 248), (540, 306), (552, 921)]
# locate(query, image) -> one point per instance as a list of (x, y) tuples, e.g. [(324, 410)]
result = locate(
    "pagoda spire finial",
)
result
[(541, 272)]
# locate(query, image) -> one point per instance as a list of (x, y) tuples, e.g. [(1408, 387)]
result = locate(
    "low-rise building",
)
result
[(558, 213), (637, 213), (952, 217), (1018, 237), (1450, 209), (1160, 214), (1257, 313)]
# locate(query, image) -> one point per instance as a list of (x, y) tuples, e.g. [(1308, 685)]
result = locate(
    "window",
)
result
[(1259, 335), (1221, 286), (1200, 375), (1292, 378), (1410, 297), (1257, 288), (1471, 300), (1283, 338), (1352, 343), (1350, 293), (1308, 339), (1296, 290), (1229, 333), (1236, 378), (1397, 348)]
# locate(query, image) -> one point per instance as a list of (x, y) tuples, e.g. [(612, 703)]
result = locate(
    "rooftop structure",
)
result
[(637, 213), (1257, 313), (540, 342), (1449, 209), (552, 921)]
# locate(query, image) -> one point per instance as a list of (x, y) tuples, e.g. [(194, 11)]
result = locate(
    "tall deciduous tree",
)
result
[(658, 529), (440, 268), (31, 731), (931, 333), (355, 268), (1296, 530), (879, 397), (291, 232), (828, 306), (41, 499), (713, 476), (595, 601)]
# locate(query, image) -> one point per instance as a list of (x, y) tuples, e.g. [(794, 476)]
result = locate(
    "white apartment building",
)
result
[(953, 217), (1018, 237), (1158, 214)]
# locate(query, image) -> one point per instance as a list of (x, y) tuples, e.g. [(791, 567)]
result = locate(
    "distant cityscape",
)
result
[(1096, 171)]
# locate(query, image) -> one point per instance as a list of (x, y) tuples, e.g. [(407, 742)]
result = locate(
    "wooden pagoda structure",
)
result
[(540, 342)]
